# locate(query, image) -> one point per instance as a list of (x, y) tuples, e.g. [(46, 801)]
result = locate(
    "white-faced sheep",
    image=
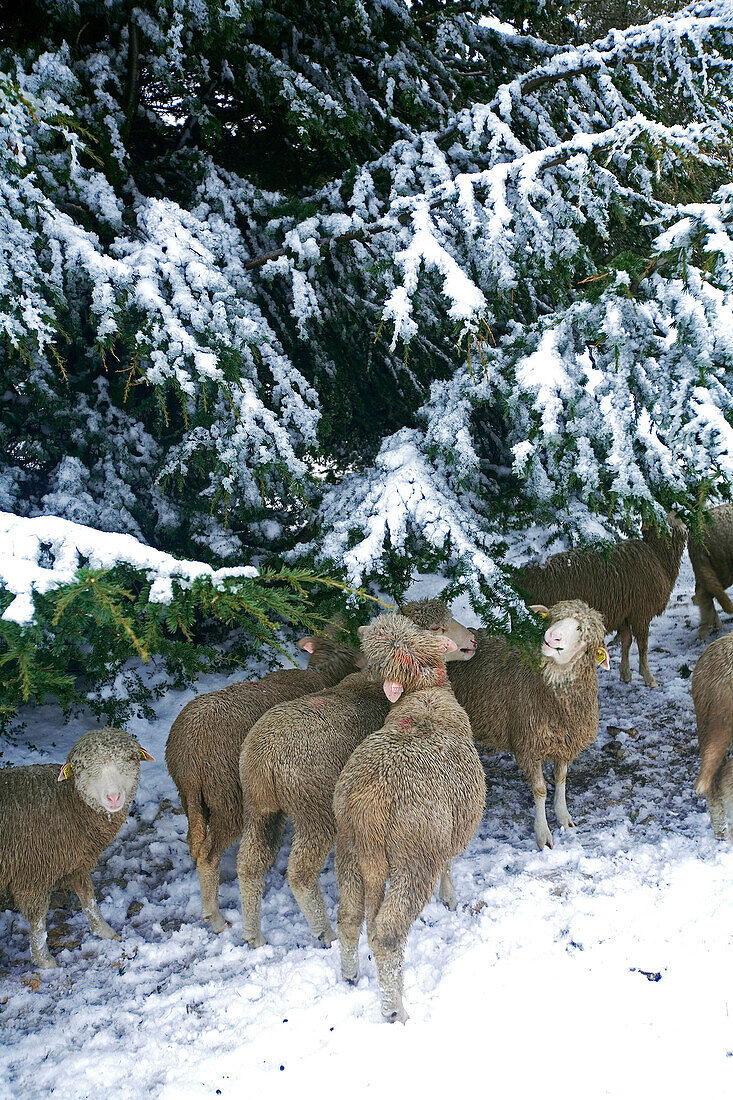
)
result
[(202, 754), (406, 804), (545, 715), (630, 585), (712, 564), (712, 694), (55, 824), (289, 765)]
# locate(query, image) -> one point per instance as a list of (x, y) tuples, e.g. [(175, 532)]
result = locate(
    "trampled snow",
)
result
[(602, 968)]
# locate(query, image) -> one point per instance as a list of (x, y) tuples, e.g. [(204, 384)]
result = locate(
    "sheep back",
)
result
[(631, 584), (415, 787), (298, 749)]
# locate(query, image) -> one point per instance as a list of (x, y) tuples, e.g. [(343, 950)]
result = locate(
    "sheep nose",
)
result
[(553, 636), (114, 800)]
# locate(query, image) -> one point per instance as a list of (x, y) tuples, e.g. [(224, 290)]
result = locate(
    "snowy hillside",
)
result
[(600, 968)]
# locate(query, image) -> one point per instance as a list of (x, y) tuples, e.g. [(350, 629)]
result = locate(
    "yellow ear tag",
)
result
[(65, 772), (544, 614), (145, 755), (601, 656)]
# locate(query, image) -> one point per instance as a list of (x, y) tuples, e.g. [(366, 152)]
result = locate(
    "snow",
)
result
[(602, 968), (25, 542)]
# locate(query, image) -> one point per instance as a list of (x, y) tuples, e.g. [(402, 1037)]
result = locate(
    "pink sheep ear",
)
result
[(65, 772), (145, 755), (602, 658), (393, 690), (308, 644), (540, 609), (446, 644), (360, 631)]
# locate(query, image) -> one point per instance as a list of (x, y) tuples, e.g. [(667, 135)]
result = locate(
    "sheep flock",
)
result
[(712, 688)]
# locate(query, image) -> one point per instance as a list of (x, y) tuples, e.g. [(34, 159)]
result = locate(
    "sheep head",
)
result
[(404, 656), (433, 615)]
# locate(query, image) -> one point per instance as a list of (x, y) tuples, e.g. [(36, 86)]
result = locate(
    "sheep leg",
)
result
[(35, 910), (350, 910), (409, 891), (714, 738), (258, 848), (446, 893), (709, 619), (539, 792), (307, 856), (716, 806), (726, 791), (561, 807), (85, 893), (624, 635), (642, 641), (209, 871)]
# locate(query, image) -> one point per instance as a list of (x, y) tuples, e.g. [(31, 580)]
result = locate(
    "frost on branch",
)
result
[(41, 554), (594, 385)]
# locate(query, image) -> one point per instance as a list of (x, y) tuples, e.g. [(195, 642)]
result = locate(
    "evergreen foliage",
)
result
[(365, 285)]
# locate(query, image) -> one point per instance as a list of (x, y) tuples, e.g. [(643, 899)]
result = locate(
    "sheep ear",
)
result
[(308, 644), (446, 644), (393, 690), (65, 772), (361, 660), (145, 755), (360, 631), (602, 658), (540, 609)]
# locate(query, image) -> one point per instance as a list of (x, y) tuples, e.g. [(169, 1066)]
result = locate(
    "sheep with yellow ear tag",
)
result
[(55, 823)]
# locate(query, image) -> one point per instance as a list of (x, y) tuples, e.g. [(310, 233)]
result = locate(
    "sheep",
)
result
[(712, 694), (55, 824), (202, 754), (407, 802), (712, 564), (549, 714), (630, 586), (289, 765)]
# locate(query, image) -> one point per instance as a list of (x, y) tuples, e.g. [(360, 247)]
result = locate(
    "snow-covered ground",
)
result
[(601, 968)]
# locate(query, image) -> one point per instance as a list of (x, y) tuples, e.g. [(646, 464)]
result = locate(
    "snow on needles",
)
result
[(43, 553)]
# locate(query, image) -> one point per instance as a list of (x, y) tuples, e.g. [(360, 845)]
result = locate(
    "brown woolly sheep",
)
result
[(289, 765), (202, 753), (551, 714), (712, 694), (630, 586), (406, 804), (712, 564), (55, 824)]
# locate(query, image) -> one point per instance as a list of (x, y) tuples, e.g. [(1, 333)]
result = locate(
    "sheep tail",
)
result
[(198, 815)]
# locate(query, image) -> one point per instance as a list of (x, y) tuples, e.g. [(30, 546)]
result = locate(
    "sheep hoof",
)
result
[(397, 1015), (256, 941), (46, 962), (105, 932), (625, 676), (325, 939), (217, 923), (651, 682), (544, 839)]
